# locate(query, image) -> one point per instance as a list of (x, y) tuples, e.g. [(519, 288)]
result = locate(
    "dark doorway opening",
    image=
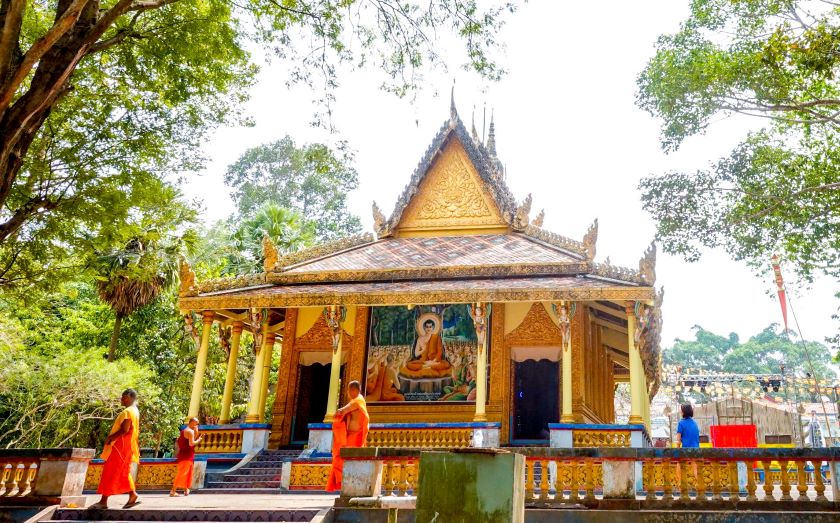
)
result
[(313, 389), (536, 399)]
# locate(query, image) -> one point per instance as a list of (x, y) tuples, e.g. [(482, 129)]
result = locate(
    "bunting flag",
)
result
[(780, 287)]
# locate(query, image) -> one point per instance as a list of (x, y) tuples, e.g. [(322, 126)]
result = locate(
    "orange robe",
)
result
[(119, 455), (343, 438), (434, 352)]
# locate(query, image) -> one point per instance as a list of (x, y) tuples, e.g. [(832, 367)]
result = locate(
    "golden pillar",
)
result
[(335, 315), (254, 404), (479, 314), (268, 349), (637, 376), (230, 379), (200, 364), (564, 321)]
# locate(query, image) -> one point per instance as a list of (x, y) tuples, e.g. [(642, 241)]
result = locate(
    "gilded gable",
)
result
[(451, 198)]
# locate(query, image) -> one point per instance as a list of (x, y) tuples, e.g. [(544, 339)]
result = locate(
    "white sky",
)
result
[(569, 133)]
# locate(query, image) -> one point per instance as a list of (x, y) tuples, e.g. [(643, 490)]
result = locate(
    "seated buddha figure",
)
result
[(428, 359)]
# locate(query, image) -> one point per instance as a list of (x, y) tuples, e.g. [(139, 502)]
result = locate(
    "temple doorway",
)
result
[(536, 399), (313, 389)]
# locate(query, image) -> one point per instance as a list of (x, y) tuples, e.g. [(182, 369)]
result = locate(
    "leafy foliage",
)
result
[(100, 99), (312, 180), (779, 190), (761, 354)]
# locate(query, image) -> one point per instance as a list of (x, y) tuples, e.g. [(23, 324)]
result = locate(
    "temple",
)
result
[(460, 314)]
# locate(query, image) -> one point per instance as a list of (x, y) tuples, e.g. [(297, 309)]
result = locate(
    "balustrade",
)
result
[(42, 476), (419, 438), (575, 476), (220, 441)]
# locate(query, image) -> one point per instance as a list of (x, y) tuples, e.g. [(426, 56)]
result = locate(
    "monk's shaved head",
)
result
[(354, 385), (131, 393)]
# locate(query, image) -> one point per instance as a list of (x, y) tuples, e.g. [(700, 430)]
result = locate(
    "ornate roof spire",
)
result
[(474, 131), (453, 113), (491, 137)]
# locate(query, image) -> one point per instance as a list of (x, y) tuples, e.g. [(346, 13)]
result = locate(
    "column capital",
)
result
[(208, 316), (238, 327), (270, 338)]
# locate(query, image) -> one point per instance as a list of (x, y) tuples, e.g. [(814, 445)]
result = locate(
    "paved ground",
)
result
[(223, 501)]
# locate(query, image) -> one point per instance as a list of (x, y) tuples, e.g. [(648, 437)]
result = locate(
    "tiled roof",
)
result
[(541, 288), (441, 251)]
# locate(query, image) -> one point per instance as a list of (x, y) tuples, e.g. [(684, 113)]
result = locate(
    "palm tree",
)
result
[(286, 228), (135, 276)]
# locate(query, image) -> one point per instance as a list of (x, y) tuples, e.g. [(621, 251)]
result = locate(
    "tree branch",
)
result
[(12, 19), (39, 49), (22, 213)]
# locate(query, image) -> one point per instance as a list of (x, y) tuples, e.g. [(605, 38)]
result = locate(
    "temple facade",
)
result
[(461, 314)]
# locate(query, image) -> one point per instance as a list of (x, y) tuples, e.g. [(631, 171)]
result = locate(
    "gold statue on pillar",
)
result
[(335, 316), (270, 255), (478, 313), (186, 275)]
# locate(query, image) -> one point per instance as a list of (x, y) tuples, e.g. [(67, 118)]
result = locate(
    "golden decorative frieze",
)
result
[(415, 297), (309, 476), (150, 476), (324, 249), (451, 194), (426, 273), (230, 282), (537, 328), (612, 272), (556, 240)]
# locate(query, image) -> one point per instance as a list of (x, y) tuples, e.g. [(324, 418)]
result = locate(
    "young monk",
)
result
[(121, 450), (186, 456), (350, 429)]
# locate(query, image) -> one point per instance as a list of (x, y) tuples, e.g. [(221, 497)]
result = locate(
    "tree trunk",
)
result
[(115, 337)]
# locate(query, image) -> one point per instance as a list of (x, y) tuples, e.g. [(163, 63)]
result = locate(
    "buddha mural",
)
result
[(428, 354)]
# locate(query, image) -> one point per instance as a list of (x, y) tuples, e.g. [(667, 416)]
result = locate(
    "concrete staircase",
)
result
[(260, 475)]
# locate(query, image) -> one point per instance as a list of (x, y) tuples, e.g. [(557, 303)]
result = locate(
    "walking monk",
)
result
[(121, 450), (350, 429), (186, 456)]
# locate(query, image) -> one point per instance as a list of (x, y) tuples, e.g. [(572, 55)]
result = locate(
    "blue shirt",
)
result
[(687, 427)]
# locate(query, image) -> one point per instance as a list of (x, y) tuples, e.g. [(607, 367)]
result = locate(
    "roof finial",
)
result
[(474, 130), (453, 113), (491, 137)]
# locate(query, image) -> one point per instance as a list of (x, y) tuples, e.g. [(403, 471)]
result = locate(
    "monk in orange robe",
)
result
[(186, 457), (350, 429), (121, 450)]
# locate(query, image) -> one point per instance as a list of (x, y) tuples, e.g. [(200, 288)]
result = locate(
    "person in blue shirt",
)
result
[(688, 434)]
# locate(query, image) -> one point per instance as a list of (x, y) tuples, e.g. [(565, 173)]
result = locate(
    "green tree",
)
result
[(287, 230), (779, 190), (100, 98), (312, 180), (134, 276), (761, 354)]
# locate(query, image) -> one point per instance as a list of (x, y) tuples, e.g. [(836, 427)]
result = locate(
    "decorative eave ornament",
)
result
[(590, 239), (380, 223), (538, 221), (521, 219), (187, 286), (647, 265), (270, 254)]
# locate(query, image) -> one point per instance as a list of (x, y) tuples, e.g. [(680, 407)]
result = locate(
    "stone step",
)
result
[(243, 485), (240, 478), (192, 515), (267, 463)]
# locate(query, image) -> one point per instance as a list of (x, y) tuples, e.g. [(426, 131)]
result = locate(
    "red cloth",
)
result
[(733, 436), (186, 452)]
